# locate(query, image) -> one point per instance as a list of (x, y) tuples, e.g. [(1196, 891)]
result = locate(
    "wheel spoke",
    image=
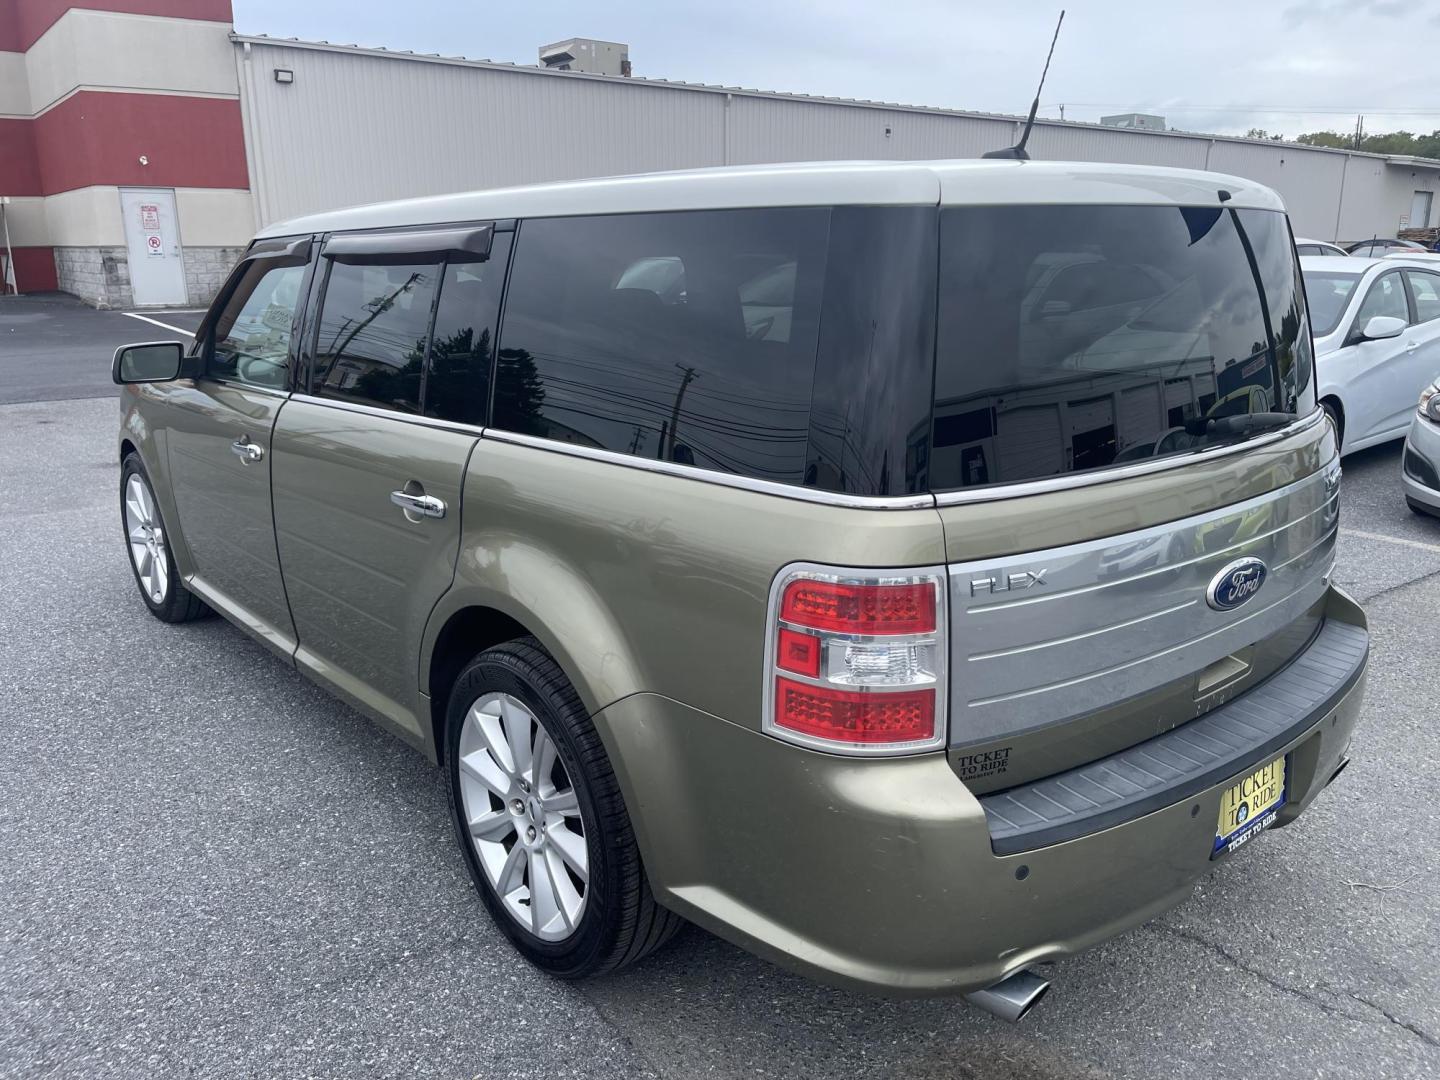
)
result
[(481, 767), (571, 902), (561, 802), (571, 847), (512, 873), (494, 826), (493, 732), (138, 535), (544, 901), (542, 757), (162, 573), (517, 734), (145, 502)]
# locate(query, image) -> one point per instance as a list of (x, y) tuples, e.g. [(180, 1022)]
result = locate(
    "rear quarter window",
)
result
[(684, 337)]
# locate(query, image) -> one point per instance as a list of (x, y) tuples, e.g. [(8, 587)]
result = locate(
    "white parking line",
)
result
[(1390, 539), (157, 322)]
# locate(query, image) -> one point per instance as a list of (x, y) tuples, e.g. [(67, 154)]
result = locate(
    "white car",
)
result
[(1376, 324), (1304, 246)]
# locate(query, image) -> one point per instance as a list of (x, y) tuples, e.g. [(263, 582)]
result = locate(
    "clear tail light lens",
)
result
[(856, 660)]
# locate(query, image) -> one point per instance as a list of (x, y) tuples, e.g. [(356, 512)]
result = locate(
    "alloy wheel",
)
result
[(523, 816), (147, 539)]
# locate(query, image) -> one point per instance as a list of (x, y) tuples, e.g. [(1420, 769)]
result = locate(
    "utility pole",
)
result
[(635, 442), (690, 376)]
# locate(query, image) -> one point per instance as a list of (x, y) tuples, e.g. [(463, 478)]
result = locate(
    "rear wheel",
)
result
[(540, 819), (148, 543)]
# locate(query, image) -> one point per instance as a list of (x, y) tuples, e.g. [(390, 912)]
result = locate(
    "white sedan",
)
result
[(1376, 324)]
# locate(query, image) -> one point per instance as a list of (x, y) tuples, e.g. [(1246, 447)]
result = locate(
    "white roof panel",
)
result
[(827, 183)]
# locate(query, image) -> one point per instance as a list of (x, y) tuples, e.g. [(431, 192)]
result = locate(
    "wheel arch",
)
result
[(1332, 399), (558, 608)]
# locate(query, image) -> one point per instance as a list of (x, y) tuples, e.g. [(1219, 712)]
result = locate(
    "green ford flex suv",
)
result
[(910, 572)]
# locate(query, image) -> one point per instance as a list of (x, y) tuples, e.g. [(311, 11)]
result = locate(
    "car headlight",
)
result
[(1430, 402)]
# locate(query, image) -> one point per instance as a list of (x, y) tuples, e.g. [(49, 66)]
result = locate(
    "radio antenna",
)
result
[(1017, 152)]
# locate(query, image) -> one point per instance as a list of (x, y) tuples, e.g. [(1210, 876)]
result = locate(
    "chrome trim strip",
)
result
[(1140, 535), (731, 480), (1089, 676), (1072, 638), (390, 414), (1068, 481)]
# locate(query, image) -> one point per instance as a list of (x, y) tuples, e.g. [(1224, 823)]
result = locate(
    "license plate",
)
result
[(1249, 805)]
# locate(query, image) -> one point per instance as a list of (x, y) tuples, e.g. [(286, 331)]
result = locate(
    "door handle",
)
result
[(1411, 346), (424, 505), (247, 451)]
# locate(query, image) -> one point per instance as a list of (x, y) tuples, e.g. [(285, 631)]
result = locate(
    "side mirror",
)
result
[(1382, 326), (152, 361)]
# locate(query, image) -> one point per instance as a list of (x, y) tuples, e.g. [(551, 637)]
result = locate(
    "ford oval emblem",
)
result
[(1235, 584)]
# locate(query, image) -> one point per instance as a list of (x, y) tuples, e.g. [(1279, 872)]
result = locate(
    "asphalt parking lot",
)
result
[(209, 867)]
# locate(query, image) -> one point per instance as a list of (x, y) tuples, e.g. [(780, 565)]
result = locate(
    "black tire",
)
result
[(621, 922), (179, 603)]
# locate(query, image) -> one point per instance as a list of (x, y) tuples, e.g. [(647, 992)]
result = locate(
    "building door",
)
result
[(1420, 210), (152, 237)]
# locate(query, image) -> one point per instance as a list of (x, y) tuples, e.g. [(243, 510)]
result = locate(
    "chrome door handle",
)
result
[(424, 505), (247, 451)]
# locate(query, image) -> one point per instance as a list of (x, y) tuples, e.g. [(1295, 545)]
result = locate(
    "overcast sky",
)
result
[(1222, 66)]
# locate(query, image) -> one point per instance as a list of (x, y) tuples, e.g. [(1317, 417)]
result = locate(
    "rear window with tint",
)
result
[(684, 337), (1078, 337)]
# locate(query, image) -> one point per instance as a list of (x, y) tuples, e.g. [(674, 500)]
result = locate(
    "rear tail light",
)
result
[(856, 660)]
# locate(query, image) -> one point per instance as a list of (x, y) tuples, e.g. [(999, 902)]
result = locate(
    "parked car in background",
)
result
[(1380, 246), (1317, 247), (1377, 342), (675, 517), (1420, 467), (1419, 256)]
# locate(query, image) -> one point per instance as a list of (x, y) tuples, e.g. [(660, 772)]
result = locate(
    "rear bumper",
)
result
[(882, 874)]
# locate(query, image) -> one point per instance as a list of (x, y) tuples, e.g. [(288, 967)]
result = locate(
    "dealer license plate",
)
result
[(1249, 805)]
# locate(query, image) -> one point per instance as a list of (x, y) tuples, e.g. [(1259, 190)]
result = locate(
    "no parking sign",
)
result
[(152, 244)]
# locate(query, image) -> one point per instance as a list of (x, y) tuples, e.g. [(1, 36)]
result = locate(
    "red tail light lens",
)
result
[(799, 653), (856, 660), (848, 608), (847, 716)]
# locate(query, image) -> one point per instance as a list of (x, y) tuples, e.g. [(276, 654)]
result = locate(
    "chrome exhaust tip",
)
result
[(1012, 997)]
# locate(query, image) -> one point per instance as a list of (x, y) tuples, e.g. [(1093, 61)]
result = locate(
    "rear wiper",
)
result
[(1243, 424)]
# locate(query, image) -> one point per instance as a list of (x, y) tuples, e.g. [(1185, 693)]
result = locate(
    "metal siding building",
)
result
[(360, 125)]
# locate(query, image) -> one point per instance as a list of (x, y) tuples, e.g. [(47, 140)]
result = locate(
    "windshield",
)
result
[(1327, 294), (1075, 337)]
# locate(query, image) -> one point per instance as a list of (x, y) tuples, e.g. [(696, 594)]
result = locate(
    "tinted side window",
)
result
[(457, 381), (374, 322), (252, 332), (1386, 297), (1425, 289), (687, 337)]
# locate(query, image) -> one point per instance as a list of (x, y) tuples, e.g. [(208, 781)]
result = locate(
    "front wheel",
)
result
[(540, 818), (148, 544)]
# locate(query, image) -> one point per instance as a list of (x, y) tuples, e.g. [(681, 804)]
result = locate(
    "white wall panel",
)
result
[(1308, 180), (215, 217), (356, 126), (783, 129), (85, 217), (14, 85), (129, 52), (25, 216)]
